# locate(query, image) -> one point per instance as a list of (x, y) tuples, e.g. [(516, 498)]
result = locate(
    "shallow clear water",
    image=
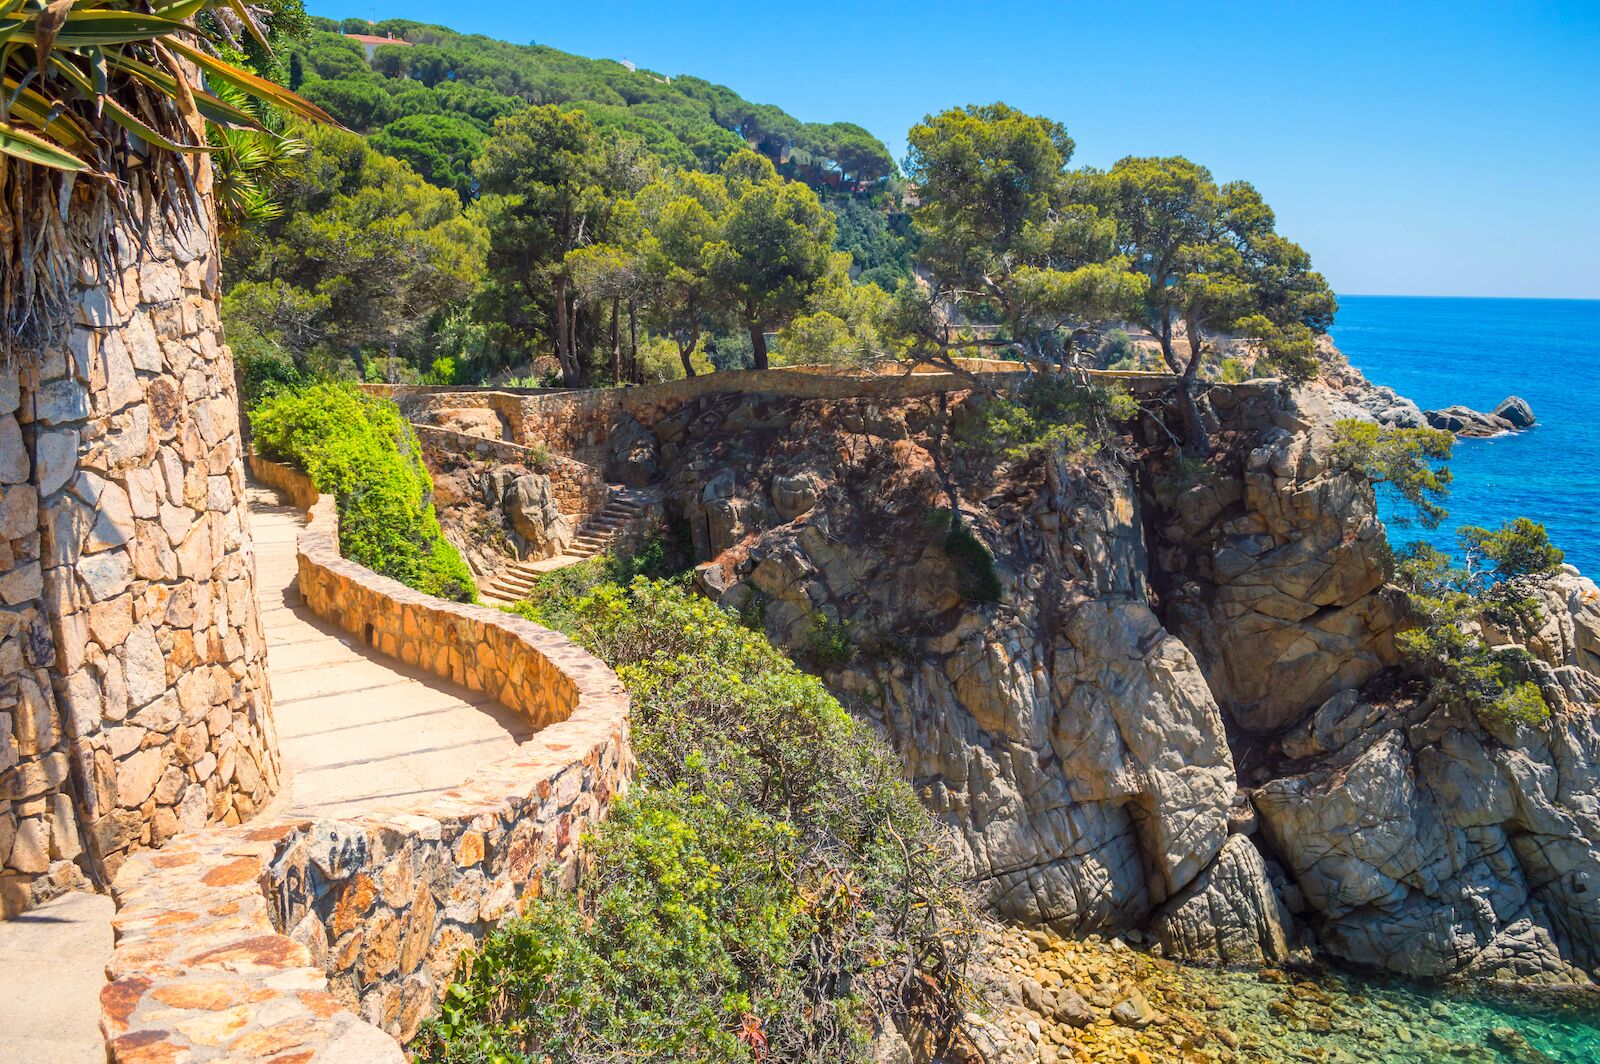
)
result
[(1477, 352)]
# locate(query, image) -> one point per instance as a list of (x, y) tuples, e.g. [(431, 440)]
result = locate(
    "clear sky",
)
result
[(1413, 147)]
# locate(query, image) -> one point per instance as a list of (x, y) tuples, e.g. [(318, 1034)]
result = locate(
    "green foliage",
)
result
[(365, 256), (828, 644), (771, 880), (362, 451), (970, 559), (686, 122), (263, 373), (1014, 264), (772, 251), (1451, 603), (1050, 413), (1232, 371), (1212, 264), (1408, 464), (440, 147), (880, 241)]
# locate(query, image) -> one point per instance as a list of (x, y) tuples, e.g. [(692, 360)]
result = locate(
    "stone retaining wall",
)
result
[(579, 488), (579, 422), (330, 940)]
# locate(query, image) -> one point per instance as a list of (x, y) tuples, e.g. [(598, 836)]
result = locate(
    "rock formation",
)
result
[(1076, 732), (1511, 414)]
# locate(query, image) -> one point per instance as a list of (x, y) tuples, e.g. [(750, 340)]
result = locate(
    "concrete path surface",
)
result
[(359, 730), (54, 959)]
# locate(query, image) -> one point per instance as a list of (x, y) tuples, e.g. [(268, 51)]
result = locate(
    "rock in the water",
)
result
[(1465, 421), (1071, 1009), (1133, 1011), (1229, 915), (1515, 409)]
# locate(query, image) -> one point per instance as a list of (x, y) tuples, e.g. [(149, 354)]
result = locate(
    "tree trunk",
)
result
[(616, 341), (758, 344), (1196, 438), (633, 343), (569, 371), (686, 353)]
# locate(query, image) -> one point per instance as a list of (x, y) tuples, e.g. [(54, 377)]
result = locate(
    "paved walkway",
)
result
[(54, 959), (359, 730)]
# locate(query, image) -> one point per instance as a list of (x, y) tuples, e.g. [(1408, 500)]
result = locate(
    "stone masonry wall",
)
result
[(579, 423), (580, 489), (331, 940), (133, 701)]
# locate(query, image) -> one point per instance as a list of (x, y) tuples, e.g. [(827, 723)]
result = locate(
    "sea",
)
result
[(1439, 352), (1478, 351)]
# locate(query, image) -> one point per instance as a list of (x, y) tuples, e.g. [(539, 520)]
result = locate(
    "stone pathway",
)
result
[(54, 958), (359, 730)]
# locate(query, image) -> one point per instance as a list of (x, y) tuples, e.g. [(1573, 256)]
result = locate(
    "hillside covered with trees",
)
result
[(406, 246)]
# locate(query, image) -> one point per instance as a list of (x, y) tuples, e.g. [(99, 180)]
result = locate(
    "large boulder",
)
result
[(1515, 409), (1465, 421), (1230, 914), (472, 421), (634, 454), (529, 503), (1271, 567), (1067, 738)]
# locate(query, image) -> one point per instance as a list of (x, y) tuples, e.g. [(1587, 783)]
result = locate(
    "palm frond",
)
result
[(105, 107)]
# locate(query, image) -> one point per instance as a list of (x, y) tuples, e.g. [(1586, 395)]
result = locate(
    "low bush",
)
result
[(1050, 412), (1451, 601), (363, 452), (770, 890), (970, 559)]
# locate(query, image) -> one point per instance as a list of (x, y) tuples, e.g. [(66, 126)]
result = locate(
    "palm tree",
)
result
[(103, 104)]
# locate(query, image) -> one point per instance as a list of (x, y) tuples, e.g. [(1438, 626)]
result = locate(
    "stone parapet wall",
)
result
[(579, 488), (331, 940), (579, 422), (133, 701)]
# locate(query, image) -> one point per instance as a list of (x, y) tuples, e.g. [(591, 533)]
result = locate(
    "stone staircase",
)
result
[(516, 580)]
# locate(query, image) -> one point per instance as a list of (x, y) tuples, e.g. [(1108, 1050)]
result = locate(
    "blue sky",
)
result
[(1414, 148)]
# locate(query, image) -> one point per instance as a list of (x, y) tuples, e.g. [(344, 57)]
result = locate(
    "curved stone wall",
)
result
[(335, 937), (133, 697)]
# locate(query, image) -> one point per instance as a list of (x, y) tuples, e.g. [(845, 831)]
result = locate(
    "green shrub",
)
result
[(1232, 371), (539, 458), (362, 451), (1049, 412), (770, 881), (1449, 605), (970, 559), (265, 373), (827, 643), (1408, 464)]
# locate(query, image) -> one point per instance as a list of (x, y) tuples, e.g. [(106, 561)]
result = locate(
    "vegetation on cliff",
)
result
[(363, 452), (771, 889), (1454, 602)]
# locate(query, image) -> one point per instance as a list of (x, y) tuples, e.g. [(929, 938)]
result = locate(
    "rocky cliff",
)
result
[(1146, 692)]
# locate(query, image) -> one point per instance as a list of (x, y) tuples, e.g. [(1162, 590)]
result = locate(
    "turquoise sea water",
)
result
[(1477, 352)]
